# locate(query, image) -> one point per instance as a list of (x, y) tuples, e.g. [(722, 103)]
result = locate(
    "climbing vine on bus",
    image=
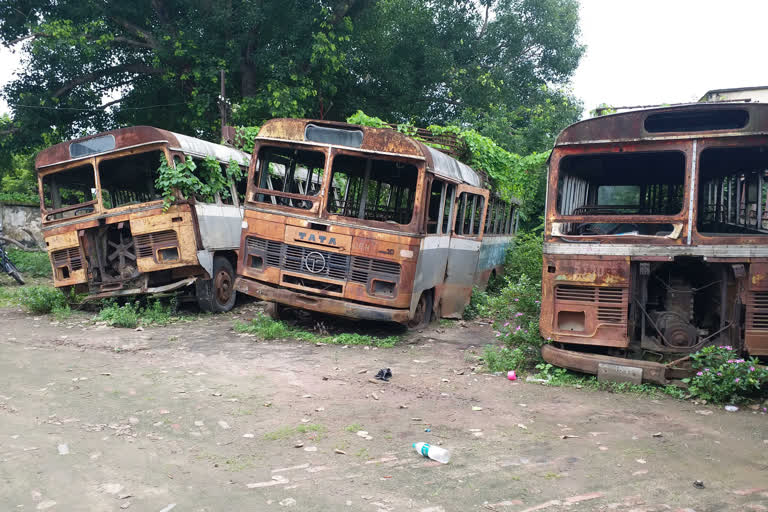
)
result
[(183, 179), (510, 173)]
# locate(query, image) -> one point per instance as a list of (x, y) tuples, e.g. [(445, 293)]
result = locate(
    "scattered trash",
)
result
[(731, 408), (658, 434), (248, 436), (364, 370), (125, 505), (433, 452), (45, 504), (384, 374), (375, 396), (169, 508), (298, 444), (223, 424), (415, 419), (139, 328), (199, 423), (427, 430), (310, 449), (402, 406), (306, 396), (125, 496), (568, 436), (520, 425), (445, 380), (287, 502), (267, 404), (340, 452), (704, 412), (511, 375), (320, 409), (476, 408), (63, 449), (364, 435), (640, 461), (698, 484), (531, 378)]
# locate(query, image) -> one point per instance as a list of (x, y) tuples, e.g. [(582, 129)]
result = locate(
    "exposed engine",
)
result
[(684, 305), (111, 253)]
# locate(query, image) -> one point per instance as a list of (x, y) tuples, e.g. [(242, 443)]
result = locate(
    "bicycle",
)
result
[(7, 265)]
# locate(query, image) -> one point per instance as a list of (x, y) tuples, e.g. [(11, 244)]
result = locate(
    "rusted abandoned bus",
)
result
[(104, 224), (656, 239), (366, 223)]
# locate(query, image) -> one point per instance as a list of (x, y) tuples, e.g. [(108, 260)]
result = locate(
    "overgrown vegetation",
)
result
[(204, 183), (266, 329), (133, 314), (42, 299), (511, 174), (31, 263), (723, 376)]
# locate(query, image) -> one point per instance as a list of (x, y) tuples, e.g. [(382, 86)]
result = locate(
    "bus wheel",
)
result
[(220, 296), (423, 313)]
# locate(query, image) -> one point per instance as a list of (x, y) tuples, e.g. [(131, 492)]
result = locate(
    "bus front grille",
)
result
[(314, 262), (68, 258)]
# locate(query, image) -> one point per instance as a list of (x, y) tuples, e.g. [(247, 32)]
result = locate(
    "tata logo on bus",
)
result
[(317, 238)]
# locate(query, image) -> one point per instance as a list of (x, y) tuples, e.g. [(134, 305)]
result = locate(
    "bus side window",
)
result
[(433, 209), (448, 206)]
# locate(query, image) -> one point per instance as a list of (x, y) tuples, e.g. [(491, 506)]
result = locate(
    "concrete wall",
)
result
[(15, 217)]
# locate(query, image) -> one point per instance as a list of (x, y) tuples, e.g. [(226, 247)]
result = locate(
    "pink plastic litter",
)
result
[(511, 375)]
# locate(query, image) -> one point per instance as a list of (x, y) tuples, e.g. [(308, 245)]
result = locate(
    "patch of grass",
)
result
[(42, 299), (503, 359), (62, 313), (446, 322), (287, 432), (354, 427), (9, 296), (131, 314), (266, 329), (31, 263)]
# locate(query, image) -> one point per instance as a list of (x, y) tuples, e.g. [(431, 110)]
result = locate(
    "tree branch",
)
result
[(138, 31), (89, 77), (485, 23)]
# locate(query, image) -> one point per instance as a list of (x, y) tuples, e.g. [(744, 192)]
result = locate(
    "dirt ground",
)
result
[(194, 417)]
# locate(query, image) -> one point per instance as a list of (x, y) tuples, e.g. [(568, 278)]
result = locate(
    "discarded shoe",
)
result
[(384, 374)]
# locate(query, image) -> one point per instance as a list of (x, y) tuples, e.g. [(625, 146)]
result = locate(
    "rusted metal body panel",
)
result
[(134, 247), (669, 281), (321, 260)]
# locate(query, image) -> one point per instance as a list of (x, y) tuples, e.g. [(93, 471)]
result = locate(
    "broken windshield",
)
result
[(627, 184), (294, 176), (66, 190)]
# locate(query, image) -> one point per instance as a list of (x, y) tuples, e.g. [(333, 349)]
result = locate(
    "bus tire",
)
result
[(217, 295), (423, 314)]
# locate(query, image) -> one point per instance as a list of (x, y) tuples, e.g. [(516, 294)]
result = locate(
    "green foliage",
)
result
[(503, 359), (412, 61), (525, 257), (245, 137), (722, 376), (31, 263), (362, 119), (19, 198), (131, 314), (602, 110), (266, 329), (185, 178), (42, 299)]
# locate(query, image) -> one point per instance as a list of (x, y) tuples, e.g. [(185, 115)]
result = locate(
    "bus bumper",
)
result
[(327, 305), (657, 373)]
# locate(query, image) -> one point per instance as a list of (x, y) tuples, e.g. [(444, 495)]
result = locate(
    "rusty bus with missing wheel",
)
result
[(656, 239), (366, 223), (105, 227)]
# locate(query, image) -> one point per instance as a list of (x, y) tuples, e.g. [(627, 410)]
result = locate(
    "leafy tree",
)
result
[(95, 64)]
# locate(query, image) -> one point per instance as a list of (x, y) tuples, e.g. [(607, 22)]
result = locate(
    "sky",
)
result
[(647, 52)]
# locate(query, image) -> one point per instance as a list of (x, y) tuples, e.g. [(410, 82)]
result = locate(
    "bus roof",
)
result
[(693, 121), (131, 137), (383, 141)]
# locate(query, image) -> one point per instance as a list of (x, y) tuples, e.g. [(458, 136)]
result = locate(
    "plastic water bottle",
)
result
[(433, 452)]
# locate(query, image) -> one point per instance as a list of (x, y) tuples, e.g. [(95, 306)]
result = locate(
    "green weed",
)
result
[(42, 299), (354, 427), (131, 314), (266, 329), (288, 432)]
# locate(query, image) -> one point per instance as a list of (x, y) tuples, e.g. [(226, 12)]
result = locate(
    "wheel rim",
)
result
[(222, 285), (418, 316)]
